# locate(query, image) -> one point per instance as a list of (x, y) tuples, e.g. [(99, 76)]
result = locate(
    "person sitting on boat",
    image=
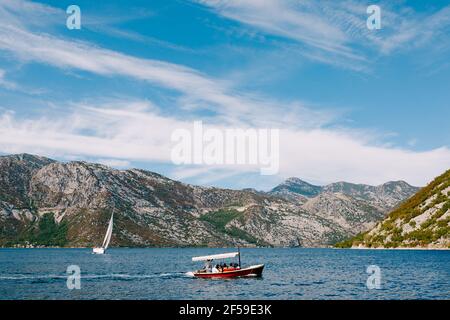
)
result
[(208, 266), (215, 269)]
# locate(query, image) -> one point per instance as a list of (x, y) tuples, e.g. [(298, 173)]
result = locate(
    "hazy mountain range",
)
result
[(46, 202)]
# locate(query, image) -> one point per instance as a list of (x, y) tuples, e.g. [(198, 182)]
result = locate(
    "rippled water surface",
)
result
[(163, 274)]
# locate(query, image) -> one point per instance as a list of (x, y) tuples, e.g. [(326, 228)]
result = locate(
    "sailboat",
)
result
[(107, 239)]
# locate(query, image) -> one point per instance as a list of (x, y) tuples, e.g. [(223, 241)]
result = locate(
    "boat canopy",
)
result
[(216, 256)]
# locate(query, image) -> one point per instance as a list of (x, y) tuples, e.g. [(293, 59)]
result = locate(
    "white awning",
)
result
[(216, 256)]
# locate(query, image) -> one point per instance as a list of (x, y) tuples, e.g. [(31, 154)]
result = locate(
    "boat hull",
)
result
[(252, 271), (98, 250)]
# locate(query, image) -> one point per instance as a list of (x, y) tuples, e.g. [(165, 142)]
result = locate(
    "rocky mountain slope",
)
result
[(297, 187), (45, 202), (421, 222), (349, 206), (383, 197)]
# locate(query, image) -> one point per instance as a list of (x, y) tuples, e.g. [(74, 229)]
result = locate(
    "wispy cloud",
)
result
[(115, 163), (286, 19), (198, 91), (134, 131), (119, 132), (5, 83), (335, 32), (14, 86)]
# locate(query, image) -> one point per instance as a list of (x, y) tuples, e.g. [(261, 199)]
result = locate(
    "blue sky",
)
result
[(354, 104)]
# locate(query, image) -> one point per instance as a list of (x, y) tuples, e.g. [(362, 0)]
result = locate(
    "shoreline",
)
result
[(353, 248), (400, 248)]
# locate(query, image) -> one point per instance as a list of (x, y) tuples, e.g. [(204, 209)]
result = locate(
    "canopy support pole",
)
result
[(239, 256)]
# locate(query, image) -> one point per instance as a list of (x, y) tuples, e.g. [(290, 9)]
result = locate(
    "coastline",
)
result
[(193, 247), (399, 248)]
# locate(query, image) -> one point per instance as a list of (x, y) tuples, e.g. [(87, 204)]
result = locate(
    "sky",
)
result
[(352, 104)]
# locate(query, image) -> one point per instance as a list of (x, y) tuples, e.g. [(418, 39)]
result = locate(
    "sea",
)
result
[(165, 274)]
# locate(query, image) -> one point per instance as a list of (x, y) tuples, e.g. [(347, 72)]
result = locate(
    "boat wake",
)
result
[(118, 276), (31, 277)]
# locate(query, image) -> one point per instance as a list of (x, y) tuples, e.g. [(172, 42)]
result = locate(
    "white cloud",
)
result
[(329, 156), (121, 132), (135, 132), (91, 132), (115, 163), (198, 90), (5, 83), (335, 32), (289, 19)]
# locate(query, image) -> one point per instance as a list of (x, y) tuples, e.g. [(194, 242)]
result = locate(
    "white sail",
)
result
[(108, 235)]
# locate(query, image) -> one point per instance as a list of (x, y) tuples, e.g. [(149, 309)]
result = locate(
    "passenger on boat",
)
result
[(215, 269), (208, 266)]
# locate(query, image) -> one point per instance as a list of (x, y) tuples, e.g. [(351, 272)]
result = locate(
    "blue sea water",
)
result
[(292, 273)]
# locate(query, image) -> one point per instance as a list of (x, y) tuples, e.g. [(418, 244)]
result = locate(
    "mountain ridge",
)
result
[(294, 187), (153, 210), (423, 221)]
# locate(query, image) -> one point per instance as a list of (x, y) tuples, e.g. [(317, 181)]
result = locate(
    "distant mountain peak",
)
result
[(400, 183), (296, 180), (27, 157), (298, 186)]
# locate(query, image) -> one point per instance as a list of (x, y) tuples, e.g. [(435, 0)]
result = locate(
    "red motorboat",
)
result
[(222, 270)]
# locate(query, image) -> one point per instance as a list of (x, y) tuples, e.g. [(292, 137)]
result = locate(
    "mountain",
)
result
[(298, 187), (348, 206), (423, 221), (385, 196), (346, 212), (16, 172), (51, 203)]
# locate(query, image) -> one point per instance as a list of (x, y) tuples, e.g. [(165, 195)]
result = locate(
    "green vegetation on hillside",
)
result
[(49, 233), (349, 242), (219, 219), (390, 232), (44, 232)]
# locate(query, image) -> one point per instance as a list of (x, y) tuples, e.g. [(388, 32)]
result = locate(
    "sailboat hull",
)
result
[(98, 250)]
